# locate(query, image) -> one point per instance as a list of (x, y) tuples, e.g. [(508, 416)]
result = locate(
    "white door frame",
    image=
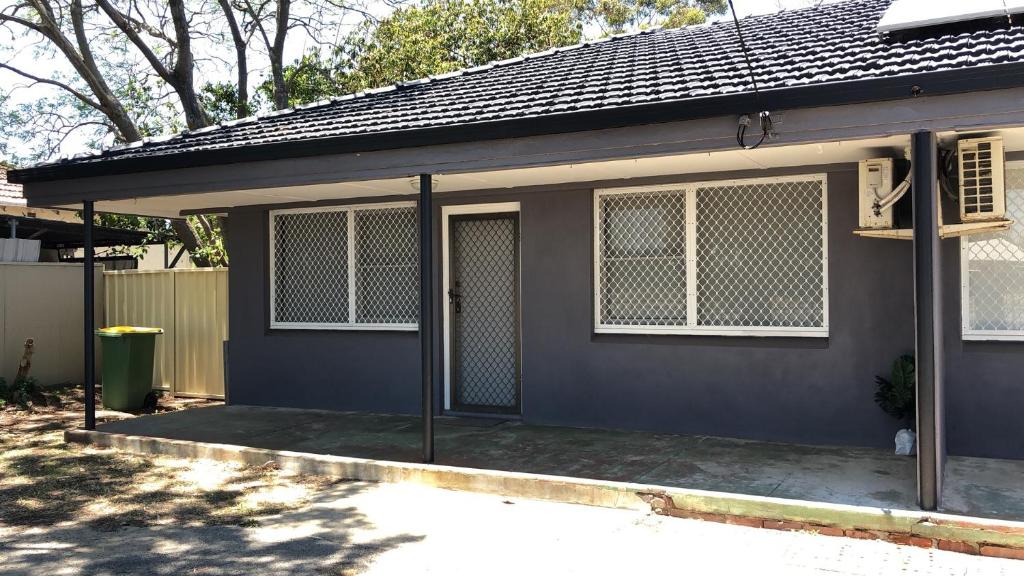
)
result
[(453, 210)]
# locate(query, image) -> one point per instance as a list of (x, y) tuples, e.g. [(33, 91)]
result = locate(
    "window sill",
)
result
[(980, 336), (345, 327), (716, 331)]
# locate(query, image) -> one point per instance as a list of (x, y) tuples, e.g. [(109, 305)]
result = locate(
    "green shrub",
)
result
[(896, 395), (22, 392)]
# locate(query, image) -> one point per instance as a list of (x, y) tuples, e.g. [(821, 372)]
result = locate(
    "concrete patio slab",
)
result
[(595, 467), (836, 475)]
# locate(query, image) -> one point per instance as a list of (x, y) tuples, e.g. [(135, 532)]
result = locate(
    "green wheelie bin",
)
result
[(127, 365)]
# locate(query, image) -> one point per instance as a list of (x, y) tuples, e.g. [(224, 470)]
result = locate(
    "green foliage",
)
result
[(444, 35), (896, 395), (617, 16), (310, 79), (220, 100), (433, 37), (209, 231), (157, 231), (21, 393)]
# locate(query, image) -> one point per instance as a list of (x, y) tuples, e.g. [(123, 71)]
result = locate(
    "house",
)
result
[(589, 237)]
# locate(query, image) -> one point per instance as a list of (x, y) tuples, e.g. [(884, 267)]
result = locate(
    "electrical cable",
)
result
[(763, 116)]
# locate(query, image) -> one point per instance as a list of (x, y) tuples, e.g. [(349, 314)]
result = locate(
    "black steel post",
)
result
[(89, 319), (427, 313), (928, 321)]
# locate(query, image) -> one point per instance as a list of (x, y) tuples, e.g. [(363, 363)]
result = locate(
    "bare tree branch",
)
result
[(180, 74), (83, 63), (275, 48), (125, 26), (36, 79), (21, 22)]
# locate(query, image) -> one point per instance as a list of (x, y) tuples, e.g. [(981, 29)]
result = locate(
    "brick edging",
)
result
[(663, 505)]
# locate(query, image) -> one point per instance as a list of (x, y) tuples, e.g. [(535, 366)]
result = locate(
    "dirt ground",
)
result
[(45, 482)]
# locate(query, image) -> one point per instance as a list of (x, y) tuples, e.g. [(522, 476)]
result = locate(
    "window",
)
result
[(350, 267), (643, 258), (743, 257), (992, 268)]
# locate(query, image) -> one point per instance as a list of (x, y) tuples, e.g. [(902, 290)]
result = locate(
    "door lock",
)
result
[(455, 298)]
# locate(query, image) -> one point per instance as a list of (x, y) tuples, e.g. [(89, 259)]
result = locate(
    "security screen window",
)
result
[(345, 268), (733, 258), (992, 265)]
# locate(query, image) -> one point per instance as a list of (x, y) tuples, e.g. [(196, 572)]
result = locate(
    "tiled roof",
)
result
[(831, 43), (9, 193)]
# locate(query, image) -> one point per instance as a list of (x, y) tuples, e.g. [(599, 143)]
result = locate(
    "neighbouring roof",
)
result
[(10, 194), (830, 45), (64, 235), (54, 233)]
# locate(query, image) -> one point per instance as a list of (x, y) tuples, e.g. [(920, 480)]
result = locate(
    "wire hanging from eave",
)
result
[(764, 117)]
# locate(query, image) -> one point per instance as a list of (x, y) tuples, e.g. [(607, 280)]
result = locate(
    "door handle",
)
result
[(455, 298)]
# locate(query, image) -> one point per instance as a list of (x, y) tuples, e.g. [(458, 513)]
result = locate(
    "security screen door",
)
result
[(483, 300)]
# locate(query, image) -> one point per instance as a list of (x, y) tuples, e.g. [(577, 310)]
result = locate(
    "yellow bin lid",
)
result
[(118, 330)]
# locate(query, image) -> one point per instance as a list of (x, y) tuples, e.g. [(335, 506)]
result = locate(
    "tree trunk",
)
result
[(184, 85), (277, 55), (189, 239), (180, 76), (242, 102)]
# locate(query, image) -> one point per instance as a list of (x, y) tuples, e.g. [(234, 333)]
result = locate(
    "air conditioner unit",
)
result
[(982, 193), (875, 186)]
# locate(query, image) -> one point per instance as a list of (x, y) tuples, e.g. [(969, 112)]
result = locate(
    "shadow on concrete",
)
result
[(313, 540)]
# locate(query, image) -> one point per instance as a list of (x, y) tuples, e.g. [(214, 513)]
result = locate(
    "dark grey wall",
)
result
[(791, 389), (815, 390), (373, 371), (984, 382)]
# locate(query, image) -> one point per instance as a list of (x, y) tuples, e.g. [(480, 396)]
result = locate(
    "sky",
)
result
[(294, 49)]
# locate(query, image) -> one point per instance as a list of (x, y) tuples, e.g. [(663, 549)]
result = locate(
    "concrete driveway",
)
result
[(359, 528)]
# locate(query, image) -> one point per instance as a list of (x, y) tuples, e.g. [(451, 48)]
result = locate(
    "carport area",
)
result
[(830, 474)]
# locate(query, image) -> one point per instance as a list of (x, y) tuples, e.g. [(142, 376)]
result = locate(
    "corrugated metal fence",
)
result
[(43, 301), (192, 307)]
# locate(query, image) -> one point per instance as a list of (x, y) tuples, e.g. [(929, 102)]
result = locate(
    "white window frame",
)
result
[(968, 333), (691, 328), (351, 210)]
